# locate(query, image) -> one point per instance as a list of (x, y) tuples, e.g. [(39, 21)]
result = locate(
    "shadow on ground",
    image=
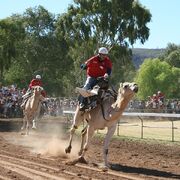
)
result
[(144, 171), (9, 126)]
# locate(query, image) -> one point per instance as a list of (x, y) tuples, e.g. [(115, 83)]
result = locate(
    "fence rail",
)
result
[(141, 116)]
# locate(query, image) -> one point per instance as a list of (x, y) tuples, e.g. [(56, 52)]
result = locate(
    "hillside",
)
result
[(140, 54)]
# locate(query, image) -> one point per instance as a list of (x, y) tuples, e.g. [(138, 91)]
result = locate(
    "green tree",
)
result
[(15, 74), (174, 58), (175, 83), (155, 75), (172, 55), (40, 52), (87, 25), (11, 31), (106, 22)]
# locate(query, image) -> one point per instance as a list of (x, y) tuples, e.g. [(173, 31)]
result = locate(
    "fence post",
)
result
[(118, 128), (172, 131), (142, 125)]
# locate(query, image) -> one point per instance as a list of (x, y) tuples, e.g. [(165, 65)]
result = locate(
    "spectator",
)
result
[(160, 96)]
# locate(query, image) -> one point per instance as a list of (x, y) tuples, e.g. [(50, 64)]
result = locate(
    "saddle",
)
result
[(96, 95)]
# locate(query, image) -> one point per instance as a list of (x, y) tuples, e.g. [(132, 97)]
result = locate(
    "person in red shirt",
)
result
[(37, 82), (34, 82), (99, 65), (160, 96)]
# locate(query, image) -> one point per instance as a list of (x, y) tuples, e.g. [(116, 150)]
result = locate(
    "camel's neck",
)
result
[(118, 107), (120, 104), (35, 101)]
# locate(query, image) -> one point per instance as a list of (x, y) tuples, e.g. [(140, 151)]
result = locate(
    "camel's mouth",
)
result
[(135, 89)]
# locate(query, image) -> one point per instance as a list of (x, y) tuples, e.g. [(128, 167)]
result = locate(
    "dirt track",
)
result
[(41, 156)]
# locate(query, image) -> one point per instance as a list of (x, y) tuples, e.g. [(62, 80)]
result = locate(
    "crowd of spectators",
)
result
[(56, 106), (11, 98), (155, 103)]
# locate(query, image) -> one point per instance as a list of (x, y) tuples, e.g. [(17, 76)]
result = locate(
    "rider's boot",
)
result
[(82, 103)]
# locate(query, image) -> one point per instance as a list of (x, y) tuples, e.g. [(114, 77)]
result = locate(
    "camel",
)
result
[(100, 117), (32, 109)]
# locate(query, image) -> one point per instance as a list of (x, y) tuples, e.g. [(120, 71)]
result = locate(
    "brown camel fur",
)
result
[(32, 108), (113, 110)]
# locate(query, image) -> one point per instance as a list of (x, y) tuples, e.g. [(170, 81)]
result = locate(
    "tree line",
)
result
[(39, 42)]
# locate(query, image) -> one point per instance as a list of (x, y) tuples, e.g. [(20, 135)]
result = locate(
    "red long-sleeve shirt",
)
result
[(37, 82), (97, 68)]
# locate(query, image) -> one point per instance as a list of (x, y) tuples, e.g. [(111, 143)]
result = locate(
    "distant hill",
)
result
[(140, 54)]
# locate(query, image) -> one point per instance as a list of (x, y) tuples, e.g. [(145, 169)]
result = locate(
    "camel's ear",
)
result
[(121, 85)]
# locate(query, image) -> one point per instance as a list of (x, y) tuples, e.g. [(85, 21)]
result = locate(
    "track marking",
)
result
[(4, 178), (22, 168), (27, 172), (109, 172)]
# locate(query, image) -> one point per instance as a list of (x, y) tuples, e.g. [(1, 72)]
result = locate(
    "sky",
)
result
[(164, 26)]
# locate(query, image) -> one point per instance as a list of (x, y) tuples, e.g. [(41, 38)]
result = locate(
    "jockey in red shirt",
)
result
[(34, 82), (37, 82), (97, 66)]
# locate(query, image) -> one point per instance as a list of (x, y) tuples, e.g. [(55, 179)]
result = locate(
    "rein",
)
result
[(102, 109)]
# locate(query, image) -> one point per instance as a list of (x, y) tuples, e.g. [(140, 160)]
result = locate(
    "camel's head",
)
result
[(37, 90), (128, 89)]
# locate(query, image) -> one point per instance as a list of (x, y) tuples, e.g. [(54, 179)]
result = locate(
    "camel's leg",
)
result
[(78, 118), (27, 125), (24, 124), (107, 139), (34, 124), (72, 131), (83, 135), (90, 132), (36, 117), (24, 121)]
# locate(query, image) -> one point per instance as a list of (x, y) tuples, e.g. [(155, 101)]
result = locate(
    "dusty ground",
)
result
[(41, 156)]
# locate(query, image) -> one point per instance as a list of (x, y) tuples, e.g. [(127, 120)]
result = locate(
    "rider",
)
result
[(34, 82), (97, 66)]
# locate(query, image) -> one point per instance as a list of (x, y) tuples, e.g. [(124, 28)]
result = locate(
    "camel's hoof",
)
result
[(72, 162), (80, 153), (34, 127), (82, 160), (68, 149), (104, 168)]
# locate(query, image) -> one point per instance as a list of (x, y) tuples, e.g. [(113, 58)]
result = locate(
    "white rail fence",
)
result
[(171, 118)]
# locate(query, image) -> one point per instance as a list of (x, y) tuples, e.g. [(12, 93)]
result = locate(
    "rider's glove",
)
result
[(83, 66), (106, 76)]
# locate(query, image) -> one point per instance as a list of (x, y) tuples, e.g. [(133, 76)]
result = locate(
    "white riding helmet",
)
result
[(38, 77), (103, 50)]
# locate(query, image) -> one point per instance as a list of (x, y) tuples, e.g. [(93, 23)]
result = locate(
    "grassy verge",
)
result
[(153, 132)]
